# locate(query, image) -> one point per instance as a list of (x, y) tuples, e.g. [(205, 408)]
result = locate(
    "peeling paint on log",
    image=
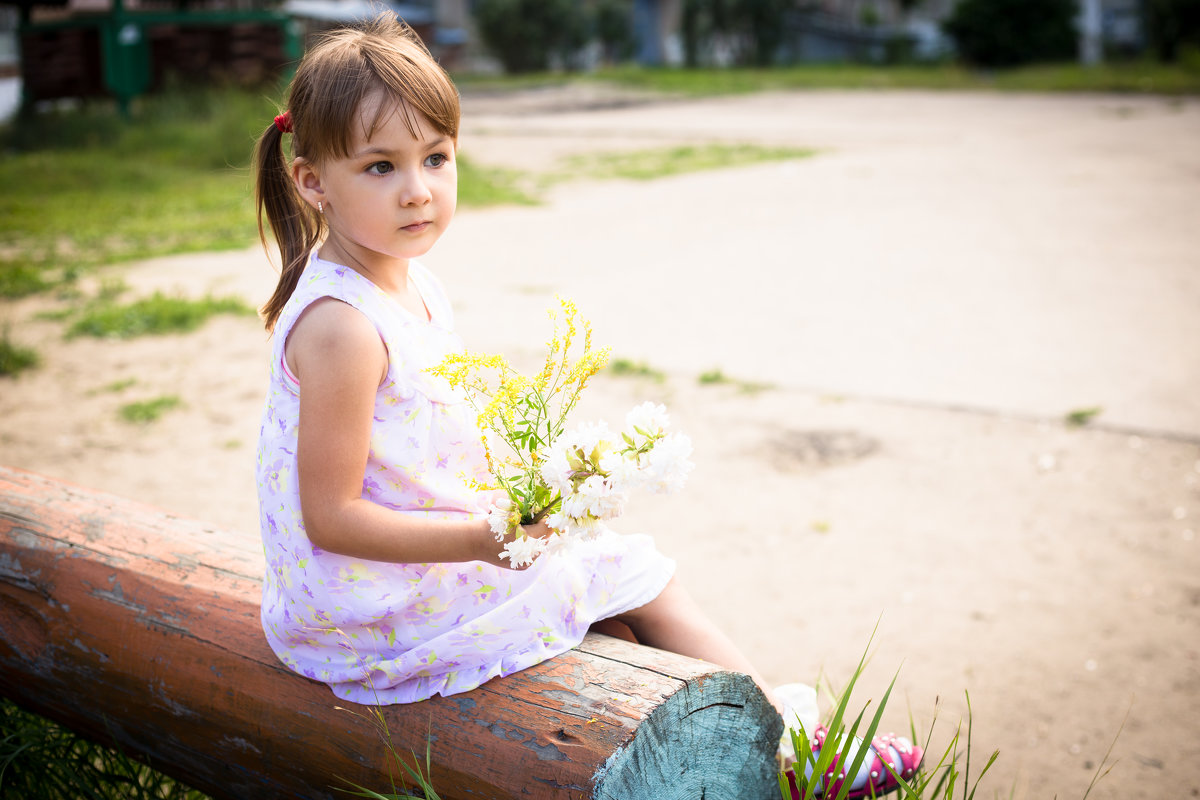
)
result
[(139, 628)]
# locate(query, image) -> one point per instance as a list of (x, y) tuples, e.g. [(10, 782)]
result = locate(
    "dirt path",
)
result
[(926, 299)]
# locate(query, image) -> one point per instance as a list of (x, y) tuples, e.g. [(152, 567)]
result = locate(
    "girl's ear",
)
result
[(307, 179)]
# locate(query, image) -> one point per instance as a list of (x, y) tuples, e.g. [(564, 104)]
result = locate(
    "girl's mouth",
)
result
[(416, 227)]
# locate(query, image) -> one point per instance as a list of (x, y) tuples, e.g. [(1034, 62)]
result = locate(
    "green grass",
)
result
[(20, 277), (40, 759), (941, 777), (117, 386), (147, 411), (490, 186), (1139, 77), (15, 358), (157, 314), (714, 377), (628, 368), (665, 161), (85, 187), (1079, 417), (936, 780), (484, 84), (400, 772)]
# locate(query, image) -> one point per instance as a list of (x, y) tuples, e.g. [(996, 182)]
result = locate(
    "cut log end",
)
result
[(715, 737)]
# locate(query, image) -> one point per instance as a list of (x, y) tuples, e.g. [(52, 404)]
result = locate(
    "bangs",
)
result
[(348, 67)]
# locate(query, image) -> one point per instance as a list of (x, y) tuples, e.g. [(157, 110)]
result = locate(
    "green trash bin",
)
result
[(126, 56)]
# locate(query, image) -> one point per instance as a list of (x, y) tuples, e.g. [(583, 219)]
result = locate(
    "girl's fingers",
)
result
[(537, 530)]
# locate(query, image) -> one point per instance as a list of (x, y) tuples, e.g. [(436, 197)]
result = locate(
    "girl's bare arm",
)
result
[(337, 356)]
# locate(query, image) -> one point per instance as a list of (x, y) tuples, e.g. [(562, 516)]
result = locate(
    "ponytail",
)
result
[(296, 228)]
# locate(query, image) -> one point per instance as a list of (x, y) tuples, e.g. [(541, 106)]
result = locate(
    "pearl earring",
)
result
[(320, 208)]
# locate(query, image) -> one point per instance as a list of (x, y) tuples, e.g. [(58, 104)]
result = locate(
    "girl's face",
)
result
[(391, 198)]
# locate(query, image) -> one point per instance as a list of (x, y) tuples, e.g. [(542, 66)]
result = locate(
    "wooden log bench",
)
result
[(141, 629)]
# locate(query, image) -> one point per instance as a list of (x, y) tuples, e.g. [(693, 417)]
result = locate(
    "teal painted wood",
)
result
[(713, 739)]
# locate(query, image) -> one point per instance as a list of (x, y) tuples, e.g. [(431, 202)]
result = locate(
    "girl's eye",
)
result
[(436, 160), (380, 168)]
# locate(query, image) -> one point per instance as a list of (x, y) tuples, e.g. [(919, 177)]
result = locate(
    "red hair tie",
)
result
[(284, 122)]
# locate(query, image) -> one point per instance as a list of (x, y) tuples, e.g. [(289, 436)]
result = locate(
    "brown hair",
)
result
[(333, 79)]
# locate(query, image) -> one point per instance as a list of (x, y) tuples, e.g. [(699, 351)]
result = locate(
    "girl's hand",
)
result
[(536, 530)]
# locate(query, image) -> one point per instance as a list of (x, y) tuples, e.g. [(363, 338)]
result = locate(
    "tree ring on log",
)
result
[(728, 721)]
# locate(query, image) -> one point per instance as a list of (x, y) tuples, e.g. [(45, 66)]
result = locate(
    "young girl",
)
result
[(383, 576), (384, 579)]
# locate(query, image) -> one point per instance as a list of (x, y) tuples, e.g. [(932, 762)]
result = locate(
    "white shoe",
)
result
[(799, 709)]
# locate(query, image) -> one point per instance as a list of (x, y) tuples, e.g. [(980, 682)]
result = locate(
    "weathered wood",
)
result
[(137, 627)]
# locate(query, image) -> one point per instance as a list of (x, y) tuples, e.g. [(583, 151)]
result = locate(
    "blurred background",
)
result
[(920, 279), (75, 49)]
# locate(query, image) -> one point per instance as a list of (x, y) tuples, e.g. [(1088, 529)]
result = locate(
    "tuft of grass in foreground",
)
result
[(157, 314), (420, 776), (943, 779), (41, 759), (15, 358), (147, 411), (934, 781), (1142, 77)]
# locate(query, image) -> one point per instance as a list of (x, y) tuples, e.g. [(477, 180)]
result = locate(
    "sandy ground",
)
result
[(923, 302)]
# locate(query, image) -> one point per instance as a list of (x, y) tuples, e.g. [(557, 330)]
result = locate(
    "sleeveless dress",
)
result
[(380, 632)]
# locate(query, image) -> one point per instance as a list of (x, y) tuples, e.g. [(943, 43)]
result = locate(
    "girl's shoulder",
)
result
[(324, 279), (332, 334)]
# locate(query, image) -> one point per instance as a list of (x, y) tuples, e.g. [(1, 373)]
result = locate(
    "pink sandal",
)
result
[(904, 757)]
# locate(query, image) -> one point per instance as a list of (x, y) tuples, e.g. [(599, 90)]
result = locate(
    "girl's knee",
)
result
[(614, 627)]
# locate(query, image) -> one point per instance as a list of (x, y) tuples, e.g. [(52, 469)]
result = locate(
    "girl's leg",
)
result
[(615, 628), (673, 621)]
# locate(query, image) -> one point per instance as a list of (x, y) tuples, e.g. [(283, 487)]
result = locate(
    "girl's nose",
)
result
[(415, 191)]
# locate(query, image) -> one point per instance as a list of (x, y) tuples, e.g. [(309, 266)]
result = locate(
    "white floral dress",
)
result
[(380, 632)]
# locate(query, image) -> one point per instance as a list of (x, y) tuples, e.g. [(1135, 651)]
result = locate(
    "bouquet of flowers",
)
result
[(572, 479)]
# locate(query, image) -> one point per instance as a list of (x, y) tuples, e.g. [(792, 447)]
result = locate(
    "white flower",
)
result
[(666, 467), (556, 471), (593, 472), (564, 457), (602, 501), (522, 551), (558, 522), (587, 436), (649, 417), (623, 472), (585, 528), (498, 516), (575, 506)]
